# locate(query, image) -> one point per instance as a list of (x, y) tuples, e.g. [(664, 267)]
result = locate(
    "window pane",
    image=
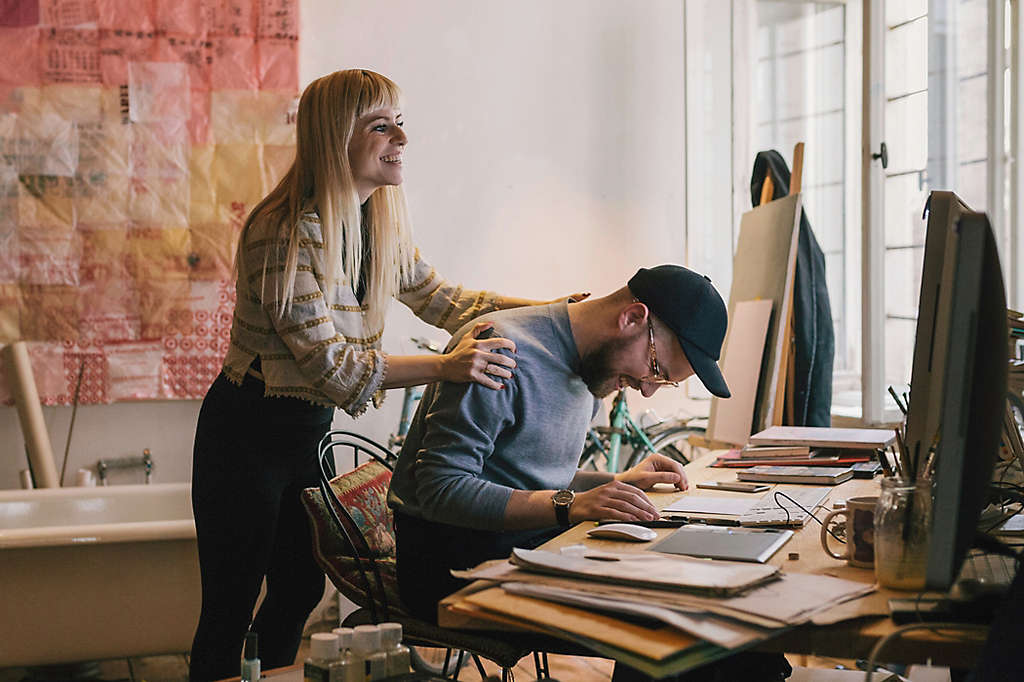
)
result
[(906, 133), (801, 97), (914, 134), (901, 11), (971, 111), (903, 281), (899, 350), (972, 34), (904, 205), (971, 184), (905, 70)]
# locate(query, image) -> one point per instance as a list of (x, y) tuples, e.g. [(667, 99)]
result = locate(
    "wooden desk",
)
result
[(865, 621)]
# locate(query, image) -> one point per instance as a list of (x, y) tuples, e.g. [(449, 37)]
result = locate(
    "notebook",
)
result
[(795, 474), (730, 544)]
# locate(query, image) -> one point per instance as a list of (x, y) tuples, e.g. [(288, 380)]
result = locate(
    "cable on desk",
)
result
[(936, 628), (898, 632), (1011, 490), (779, 493)]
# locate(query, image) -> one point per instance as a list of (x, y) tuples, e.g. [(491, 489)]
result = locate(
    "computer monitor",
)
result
[(942, 210), (959, 403)]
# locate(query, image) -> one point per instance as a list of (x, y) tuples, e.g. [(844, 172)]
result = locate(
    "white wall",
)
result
[(546, 156)]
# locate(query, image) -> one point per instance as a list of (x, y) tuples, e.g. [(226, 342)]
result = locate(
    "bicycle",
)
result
[(671, 437)]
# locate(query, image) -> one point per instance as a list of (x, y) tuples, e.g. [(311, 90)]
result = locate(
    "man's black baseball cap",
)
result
[(688, 304)]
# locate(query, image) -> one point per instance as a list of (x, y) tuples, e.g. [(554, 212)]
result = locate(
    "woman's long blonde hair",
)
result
[(376, 241)]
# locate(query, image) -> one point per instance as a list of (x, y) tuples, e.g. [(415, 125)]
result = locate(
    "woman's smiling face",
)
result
[(375, 150)]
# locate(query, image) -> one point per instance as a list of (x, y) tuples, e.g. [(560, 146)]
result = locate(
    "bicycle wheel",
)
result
[(670, 439)]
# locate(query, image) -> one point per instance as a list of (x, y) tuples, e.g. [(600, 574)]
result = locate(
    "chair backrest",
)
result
[(352, 527)]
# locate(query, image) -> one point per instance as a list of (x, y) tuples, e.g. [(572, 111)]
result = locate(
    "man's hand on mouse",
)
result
[(656, 468), (613, 500)]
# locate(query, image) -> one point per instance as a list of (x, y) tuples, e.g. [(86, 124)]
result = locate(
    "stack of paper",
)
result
[(729, 622)]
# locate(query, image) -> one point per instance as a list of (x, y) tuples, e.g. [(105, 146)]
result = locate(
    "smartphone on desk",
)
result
[(734, 486)]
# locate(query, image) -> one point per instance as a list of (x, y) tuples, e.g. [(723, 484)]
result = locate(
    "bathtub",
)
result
[(96, 573)]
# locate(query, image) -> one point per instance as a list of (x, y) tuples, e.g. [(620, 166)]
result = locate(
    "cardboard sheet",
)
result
[(654, 643), (732, 419), (766, 255), (720, 631)]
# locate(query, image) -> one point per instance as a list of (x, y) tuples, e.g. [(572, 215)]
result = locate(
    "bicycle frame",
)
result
[(621, 424), (410, 397)]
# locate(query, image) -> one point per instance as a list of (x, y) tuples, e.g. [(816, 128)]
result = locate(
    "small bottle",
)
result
[(397, 653), (323, 650), (350, 668), (250, 658), (366, 645)]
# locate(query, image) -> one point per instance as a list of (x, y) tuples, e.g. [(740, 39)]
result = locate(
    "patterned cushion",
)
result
[(363, 493)]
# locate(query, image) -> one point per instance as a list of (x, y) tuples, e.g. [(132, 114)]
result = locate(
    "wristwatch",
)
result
[(562, 500)]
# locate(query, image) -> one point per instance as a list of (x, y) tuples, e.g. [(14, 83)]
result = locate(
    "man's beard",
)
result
[(597, 368)]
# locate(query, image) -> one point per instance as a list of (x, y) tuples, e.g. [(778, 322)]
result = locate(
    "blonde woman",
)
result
[(318, 262)]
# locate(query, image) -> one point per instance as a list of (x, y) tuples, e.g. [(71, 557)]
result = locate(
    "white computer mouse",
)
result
[(622, 531)]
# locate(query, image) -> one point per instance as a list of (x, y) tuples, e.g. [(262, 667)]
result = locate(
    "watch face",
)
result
[(563, 497)]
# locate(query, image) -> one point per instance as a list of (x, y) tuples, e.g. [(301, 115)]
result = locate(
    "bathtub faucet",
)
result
[(145, 461)]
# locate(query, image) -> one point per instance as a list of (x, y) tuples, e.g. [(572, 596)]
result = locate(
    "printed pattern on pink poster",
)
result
[(135, 136)]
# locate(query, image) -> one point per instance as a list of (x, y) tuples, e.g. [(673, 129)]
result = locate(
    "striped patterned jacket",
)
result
[(323, 349)]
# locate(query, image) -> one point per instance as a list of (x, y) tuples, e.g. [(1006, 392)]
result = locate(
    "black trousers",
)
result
[(252, 457), (427, 551)]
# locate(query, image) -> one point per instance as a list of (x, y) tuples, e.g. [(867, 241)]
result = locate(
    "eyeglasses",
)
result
[(657, 376)]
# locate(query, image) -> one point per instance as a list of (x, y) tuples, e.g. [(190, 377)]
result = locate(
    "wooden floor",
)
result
[(174, 668)]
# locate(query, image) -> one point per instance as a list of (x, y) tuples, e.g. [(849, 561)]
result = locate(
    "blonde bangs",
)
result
[(377, 91)]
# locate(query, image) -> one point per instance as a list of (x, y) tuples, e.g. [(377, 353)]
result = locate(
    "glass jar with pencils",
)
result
[(902, 523)]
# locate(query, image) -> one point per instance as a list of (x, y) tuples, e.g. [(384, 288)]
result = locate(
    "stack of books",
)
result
[(800, 456), (808, 446), (794, 455)]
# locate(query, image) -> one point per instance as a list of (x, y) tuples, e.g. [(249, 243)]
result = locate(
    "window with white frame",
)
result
[(939, 117), (791, 71), (800, 96)]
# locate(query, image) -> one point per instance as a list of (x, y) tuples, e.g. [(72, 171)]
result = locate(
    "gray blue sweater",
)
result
[(469, 446)]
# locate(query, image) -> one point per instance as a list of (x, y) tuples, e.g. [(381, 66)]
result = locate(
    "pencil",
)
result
[(902, 461)]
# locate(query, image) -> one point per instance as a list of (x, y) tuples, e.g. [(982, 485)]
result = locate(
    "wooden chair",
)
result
[(354, 543)]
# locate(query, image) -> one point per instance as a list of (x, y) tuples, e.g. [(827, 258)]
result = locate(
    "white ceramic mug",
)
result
[(860, 532)]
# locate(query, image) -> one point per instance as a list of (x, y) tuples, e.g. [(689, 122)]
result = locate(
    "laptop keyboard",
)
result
[(767, 511)]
